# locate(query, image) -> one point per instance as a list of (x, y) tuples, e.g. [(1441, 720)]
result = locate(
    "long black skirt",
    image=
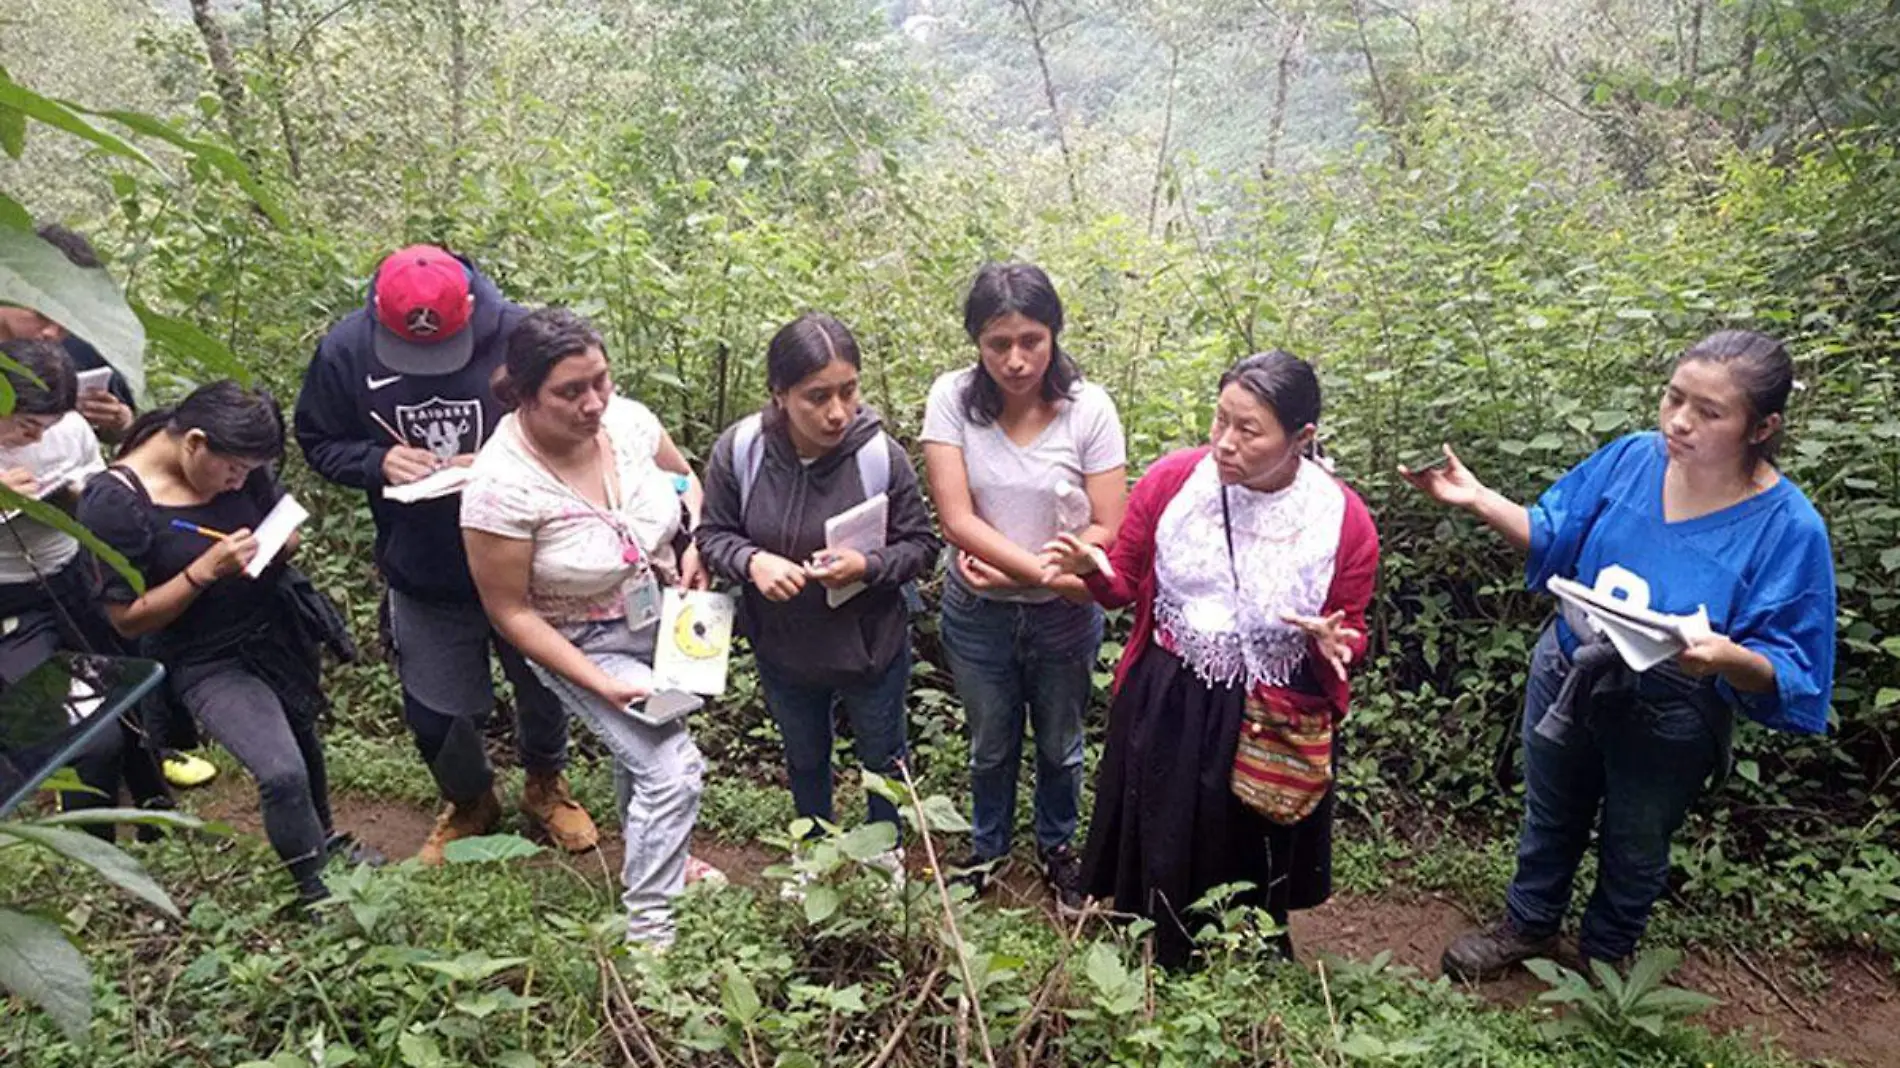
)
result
[(1167, 827)]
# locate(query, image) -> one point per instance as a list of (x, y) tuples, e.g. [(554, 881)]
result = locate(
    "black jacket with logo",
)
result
[(418, 546)]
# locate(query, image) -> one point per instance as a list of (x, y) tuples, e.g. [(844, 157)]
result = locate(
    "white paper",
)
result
[(97, 378), (447, 481), (44, 488), (274, 532), (861, 528), (1644, 638), (695, 641)]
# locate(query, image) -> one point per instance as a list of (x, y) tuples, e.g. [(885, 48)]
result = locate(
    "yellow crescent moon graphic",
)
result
[(693, 638)]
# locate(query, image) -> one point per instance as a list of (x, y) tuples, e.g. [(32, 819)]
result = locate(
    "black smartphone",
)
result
[(1429, 463)]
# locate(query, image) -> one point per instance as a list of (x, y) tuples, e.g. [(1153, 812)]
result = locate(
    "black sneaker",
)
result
[(1479, 955), (344, 847), (1062, 873), (975, 872)]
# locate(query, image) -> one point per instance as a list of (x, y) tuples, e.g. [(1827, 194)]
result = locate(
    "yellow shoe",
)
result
[(185, 771)]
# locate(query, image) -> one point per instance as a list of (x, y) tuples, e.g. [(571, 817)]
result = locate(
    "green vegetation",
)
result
[(1490, 223)]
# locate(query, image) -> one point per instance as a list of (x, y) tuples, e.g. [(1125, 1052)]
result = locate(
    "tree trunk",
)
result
[(293, 157), (1386, 117), (224, 72), (458, 84), (1167, 132), (1282, 78), (1037, 42)]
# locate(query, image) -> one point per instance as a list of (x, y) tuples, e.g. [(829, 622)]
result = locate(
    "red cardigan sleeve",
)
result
[(1355, 574), (1133, 554)]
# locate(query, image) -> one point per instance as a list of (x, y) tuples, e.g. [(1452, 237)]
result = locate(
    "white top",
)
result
[(582, 558), (1014, 488), (67, 453), (1223, 608)]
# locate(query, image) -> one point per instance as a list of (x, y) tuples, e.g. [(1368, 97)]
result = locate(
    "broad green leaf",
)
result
[(868, 840), (1886, 698), (487, 847), (13, 214), (39, 964), (941, 815), (739, 997), (139, 817), (1750, 770), (218, 157), (17, 97), (820, 903), (516, 1058), (55, 517), (1651, 967), (183, 339), (1105, 969), (34, 274), (1676, 1002), (472, 967), (421, 1051), (13, 132), (887, 789), (110, 862)]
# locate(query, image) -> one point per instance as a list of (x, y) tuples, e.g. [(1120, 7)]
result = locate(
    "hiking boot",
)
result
[(1479, 955), (1062, 874), (548, 805), (469, 820)]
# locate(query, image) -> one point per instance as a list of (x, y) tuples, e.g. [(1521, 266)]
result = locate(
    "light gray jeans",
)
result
[(657, 775)]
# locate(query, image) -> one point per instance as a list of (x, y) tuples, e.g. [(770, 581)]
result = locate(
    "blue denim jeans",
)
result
[(875, 706), (1629, 770), (1010, 659)]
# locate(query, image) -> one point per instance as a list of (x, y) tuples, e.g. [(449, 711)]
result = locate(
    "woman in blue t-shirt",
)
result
[(1692, 517)]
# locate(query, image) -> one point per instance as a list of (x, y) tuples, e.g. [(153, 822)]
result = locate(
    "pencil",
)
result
[(385, 425), (193, 528)]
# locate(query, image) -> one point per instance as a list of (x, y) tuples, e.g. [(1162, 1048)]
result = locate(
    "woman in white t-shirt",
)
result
[(570, 516), (1018, 449)]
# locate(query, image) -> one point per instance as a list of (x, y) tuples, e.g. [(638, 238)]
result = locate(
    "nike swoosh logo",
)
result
[(375, 383)]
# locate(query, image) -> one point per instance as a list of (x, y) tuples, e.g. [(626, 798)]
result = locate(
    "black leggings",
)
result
[(282, 752)]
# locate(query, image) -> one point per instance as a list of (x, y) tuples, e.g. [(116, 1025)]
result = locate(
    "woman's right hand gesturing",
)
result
[(1450, 482), (228, 556), (776, 577)]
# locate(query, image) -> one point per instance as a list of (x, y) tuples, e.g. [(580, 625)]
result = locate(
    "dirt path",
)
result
[(1855, 1021)]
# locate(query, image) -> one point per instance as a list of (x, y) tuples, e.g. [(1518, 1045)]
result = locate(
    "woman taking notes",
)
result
[(1250, 568), (1018, 448), (569, 517), (1690, 517), (773, 481), (191, 483)]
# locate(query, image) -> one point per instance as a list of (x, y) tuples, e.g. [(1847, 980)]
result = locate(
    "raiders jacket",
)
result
[(418, 546)]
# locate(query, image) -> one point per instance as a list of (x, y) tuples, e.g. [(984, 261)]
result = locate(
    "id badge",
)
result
[(642, 593)]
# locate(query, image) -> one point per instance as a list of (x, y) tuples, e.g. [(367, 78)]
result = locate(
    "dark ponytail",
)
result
[(1284, 383), (543, 338), (236, 421)]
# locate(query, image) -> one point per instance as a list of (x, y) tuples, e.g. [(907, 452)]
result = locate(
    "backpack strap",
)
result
[(874, 466), (748, 454)]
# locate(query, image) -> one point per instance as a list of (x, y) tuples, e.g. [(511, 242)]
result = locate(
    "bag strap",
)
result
[(874, 466), (748, 454)]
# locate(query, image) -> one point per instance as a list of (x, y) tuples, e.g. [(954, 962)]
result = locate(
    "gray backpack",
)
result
[(748, 455)]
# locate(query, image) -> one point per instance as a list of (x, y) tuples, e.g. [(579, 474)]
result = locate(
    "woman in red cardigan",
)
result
[(1250, 568)]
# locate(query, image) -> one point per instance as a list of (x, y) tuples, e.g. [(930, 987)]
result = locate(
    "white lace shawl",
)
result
[(1284, 549)]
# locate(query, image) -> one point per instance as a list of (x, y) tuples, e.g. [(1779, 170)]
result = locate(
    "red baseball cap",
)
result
[(422, 307)]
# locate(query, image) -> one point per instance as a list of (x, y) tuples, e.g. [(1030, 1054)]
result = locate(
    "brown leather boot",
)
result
[(470, 820), (547, 804)]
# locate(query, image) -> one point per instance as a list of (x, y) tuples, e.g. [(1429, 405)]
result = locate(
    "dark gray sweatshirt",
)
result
[(804, 637)]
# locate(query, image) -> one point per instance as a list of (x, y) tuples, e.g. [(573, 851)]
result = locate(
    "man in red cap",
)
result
[(398, 390)]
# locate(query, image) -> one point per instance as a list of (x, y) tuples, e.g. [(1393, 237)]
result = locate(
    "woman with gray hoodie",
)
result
[(773, 480)]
